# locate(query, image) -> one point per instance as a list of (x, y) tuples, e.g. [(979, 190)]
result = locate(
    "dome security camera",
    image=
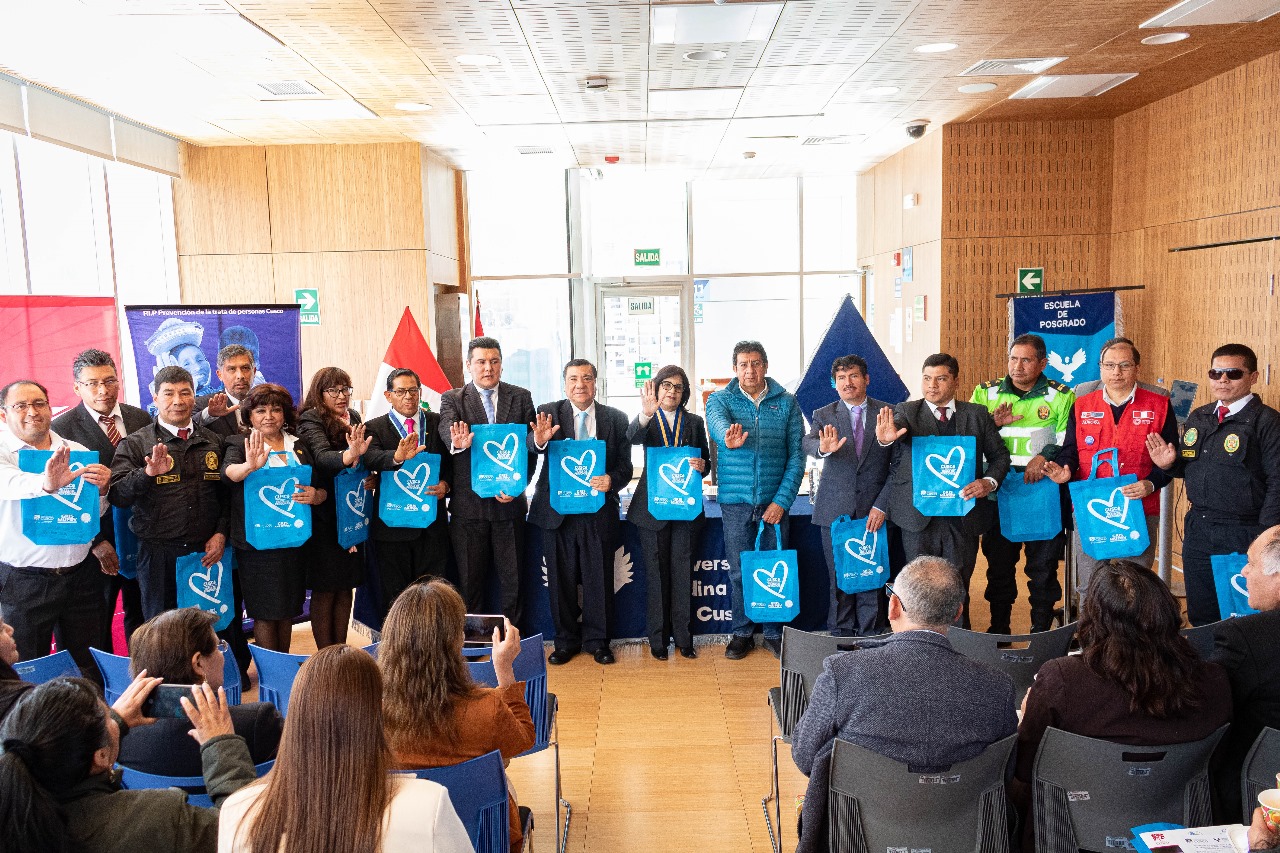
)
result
[(915, 128)]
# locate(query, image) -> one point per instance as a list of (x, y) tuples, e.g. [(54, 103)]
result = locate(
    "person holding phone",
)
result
[(435, 714), (179, 646)]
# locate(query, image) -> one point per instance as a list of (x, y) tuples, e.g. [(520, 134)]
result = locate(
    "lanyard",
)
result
[(670, 434), (399, 425)]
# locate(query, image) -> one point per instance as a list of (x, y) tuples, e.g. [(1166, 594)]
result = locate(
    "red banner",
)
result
[(43, 334)]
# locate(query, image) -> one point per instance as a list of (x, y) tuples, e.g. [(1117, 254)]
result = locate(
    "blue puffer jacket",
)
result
[(749, 475)]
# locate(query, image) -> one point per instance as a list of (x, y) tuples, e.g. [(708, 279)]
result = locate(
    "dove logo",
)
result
[(1067, 367), (947, 468)]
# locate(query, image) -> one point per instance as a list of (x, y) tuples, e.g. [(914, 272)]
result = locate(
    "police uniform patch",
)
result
[(1232, 443), (211, 461), (1043, 413), (1190, 436)]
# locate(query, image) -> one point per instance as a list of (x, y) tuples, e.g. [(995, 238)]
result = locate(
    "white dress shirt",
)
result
[(1234, 408), (16, 485)]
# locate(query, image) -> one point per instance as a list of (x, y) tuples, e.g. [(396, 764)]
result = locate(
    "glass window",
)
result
[(517, 222), (632, 213), (823, 296), (531, 319), (765, 309), (745, 226), (830, 233), (13, 261)]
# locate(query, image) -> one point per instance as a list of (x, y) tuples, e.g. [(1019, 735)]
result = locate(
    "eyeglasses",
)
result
[(1232, 373), (22, 408), (94, 384), (340, 392), (755, 364), (1120, 366), (888, 588), (671, 386), (401, 393)]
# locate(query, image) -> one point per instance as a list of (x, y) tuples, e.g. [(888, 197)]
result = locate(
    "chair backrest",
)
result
[(530, 666), (876, 803), (372, 649), (478, 791), (115, 673), (1201, 638), (1088, 793), (197, 795), (276, 673), (1261, 766), (47, 668), (231, 679), (800, 664), (1019, 664)]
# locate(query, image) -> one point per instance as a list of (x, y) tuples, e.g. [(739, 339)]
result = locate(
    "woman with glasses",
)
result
[(332, 431), (665, 421), (180, 647), (271, 579)]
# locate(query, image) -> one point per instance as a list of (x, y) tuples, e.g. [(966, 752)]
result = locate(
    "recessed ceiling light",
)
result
[(412, 107), (976, 88), (710, 24), (1191, 13), (1165, 38), (477, 59), (936, 47), (1071, 85), (705, 55), (880, 91)]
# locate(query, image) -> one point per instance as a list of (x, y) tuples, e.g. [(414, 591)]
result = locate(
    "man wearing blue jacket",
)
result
[(757, 428)]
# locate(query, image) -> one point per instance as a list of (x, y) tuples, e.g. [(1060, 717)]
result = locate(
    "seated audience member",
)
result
[(1261, 835), (435, 714), (57, 789), (330, 790), (11, 686), (1249, 649), (180, 647), (1137, 681), (910, 697)]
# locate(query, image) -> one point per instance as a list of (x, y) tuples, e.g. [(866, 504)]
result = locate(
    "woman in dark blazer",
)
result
[(271, 579), (332, 431), (664, 421)]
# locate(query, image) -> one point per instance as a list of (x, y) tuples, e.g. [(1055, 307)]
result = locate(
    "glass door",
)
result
[(642, 327)]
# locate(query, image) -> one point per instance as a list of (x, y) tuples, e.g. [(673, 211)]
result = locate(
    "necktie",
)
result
[(1222, 413), (184, 433), (582, 426), (410, 426), (855, 412), (113, 434), (942, 415), (486, 397)]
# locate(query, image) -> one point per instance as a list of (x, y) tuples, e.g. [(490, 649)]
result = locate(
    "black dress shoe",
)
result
[(561, 656), (774, 646), (739, 648), (688, 652), (604, 656), (658, 653)]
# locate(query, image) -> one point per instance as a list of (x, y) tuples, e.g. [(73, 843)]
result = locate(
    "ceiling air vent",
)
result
[(1191, 13), (534, 149), (828, 140), (291, 89), (1070, 86), (1011, 67)]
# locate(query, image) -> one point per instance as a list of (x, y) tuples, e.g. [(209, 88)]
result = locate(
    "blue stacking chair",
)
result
[(531, 667), (115, 675), (478, 791), (197, 795), (276, 672), (47, 668)]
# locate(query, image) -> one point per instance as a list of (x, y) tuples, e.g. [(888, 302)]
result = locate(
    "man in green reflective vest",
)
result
[(1032, 412)]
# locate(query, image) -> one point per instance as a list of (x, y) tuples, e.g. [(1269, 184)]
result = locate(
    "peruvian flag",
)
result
[(479, 327), (408, 348)]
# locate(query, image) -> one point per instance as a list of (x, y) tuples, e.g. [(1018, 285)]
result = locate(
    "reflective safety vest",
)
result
[(1045, 411), (1097, 430)]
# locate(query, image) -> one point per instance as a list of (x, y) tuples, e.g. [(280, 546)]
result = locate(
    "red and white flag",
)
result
[(479, 327), (409, 349)]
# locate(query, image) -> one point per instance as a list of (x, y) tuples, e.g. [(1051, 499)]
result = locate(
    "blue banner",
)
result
[(354, 505), (190, 336), (69, 516), (570, 466), (1074, 327), (208, 589), (848, 334), (403, 501), (272, 518), (499, 464), (674, 488), (941, 466)]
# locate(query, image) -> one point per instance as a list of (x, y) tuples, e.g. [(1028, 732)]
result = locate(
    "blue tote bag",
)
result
[(272, 518), (674, 487), (208, 589), (1229, 582), (126, 541), (499, 461), (354, 504), (69, 516), (570, 466), (941, 466), (862, 556), (1110, 525), (403, 501), (770, 582), (1029, 512)]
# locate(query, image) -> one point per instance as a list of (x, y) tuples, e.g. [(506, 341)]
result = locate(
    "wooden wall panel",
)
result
[(220, 204), (440, 192), (226, 279), (1130, 141), (865, 191), (888, 205), (1259, 128), (922, 175), (346, 197)]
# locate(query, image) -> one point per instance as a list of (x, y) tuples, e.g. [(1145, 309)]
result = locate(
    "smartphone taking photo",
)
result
[(163, 701), (477, 630)]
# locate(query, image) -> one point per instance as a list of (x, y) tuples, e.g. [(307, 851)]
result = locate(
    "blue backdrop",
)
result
[(848, 335), (1074, 327)]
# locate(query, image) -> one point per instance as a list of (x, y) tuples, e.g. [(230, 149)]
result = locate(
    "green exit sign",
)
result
[(644, 372), (648, 257), (1031, 280), (308, 299)]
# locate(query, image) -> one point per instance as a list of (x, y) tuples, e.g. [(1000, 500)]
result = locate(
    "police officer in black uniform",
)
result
[(1230, 459)]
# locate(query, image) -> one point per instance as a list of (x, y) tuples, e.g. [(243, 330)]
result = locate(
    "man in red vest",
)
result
[(1119, 414)]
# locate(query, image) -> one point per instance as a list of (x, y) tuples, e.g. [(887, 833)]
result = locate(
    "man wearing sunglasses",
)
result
[(1229, 456)]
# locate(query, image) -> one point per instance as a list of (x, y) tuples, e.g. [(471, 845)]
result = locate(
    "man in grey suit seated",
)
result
[(911, 697)]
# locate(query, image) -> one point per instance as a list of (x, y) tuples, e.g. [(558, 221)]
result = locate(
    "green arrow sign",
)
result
[(308, 299), (1030, 280)]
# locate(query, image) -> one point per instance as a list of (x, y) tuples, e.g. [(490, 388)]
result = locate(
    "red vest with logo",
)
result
[(1096, 430)]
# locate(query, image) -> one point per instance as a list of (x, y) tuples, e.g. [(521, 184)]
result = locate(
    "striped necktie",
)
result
[(109, 423)]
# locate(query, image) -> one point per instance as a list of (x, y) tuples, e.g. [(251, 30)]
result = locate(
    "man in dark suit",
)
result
[(1249, 648), (408, 553), (487, 533), (940, 413), (911, 697), (236, 370), (579, 549), (855, 477), (100, 422)]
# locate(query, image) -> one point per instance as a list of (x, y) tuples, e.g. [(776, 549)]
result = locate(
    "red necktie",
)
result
[(1222, 413), (113, 434), (942, 415), (184, 433)]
